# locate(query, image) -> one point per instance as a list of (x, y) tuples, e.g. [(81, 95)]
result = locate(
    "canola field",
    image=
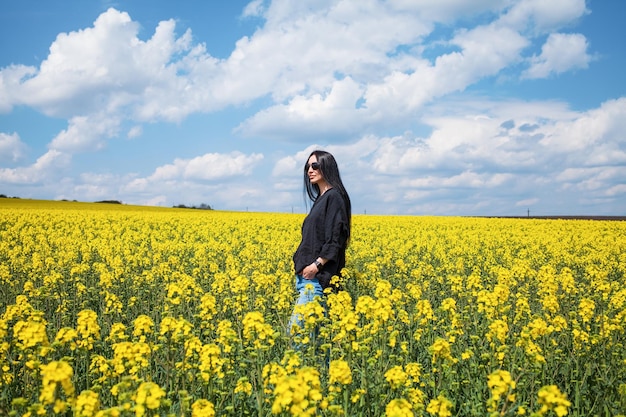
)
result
[(112, 310)]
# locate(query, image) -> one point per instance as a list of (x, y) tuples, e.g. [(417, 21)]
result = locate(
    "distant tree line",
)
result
[(109, 201), (200, 207)]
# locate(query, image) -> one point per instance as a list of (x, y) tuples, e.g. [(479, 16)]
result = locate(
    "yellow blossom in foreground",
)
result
[(202, 408), (298, 393), (87, 404), (256, 330), (586, 309), (143, 326), (500, 383), (53, 374), (339, 372), (440, 407), (129, 357), (88, 329), (551, 398), (498, 330), (396, 376), (399, 408), (211, 363), (67, 336), (440, 349), (31, 333), (243, 386), (148, 396)]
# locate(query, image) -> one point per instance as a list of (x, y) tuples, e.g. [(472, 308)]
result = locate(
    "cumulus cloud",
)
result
[(86, 133), (45, 169), (211, 166), (561, 53), (12, 149), (319, 114), (329, 67), (538, 16), (535, 152)]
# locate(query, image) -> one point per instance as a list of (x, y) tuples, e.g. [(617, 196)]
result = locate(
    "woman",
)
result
[(325, 231)]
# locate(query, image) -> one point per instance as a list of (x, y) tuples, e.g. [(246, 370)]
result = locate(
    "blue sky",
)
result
[(431, 107)]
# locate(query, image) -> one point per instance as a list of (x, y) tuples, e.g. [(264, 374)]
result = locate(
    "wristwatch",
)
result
[(318, 264)]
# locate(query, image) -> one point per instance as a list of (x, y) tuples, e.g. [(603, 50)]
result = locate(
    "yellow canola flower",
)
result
[(67, 336), (441, 350), (258, 332), (130, 358), (498, 330), (299, 393), (227, 336), (500, 383), (88, 329), (399, 408), (339, 372), (117, 333), (202, 408), (143, 326), (176, 329), (208, 309), (148, 396), (211, 362), (586, 309), (440, 407), (552, 399), (53, 374), (396, 376), (87, 404), (243, 386), (31, 333)]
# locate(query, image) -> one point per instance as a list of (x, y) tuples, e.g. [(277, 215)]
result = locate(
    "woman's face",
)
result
[(315, 175)]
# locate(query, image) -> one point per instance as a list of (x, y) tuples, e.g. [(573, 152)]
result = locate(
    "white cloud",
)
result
[(208, 167), (12, 149), (45, 169), (99, 76), (135, 132), (9, 78), (253, 9), (543, 16), (484, 51), (86, 133), (332, 113), (512, 148), (588, 131), (527, 202), (314, 59), (561, 53), (447, 11)]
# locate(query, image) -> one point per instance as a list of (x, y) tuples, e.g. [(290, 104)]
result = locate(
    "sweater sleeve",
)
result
[(335, 228)]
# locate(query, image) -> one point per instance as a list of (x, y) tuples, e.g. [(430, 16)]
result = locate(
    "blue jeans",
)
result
[(305, 296)]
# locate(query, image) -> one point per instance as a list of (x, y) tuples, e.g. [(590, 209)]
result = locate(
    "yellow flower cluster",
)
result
[(147, 397), (298, 393), (56, 374), (501, 385), (258, 332), (552, 399)]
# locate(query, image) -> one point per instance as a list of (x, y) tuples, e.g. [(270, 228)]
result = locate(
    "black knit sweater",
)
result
[(324, 235)]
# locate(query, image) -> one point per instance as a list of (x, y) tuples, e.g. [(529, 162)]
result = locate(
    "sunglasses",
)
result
[(314, 165)]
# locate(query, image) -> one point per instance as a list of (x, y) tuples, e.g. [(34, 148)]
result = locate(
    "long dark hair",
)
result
[(330, 172)]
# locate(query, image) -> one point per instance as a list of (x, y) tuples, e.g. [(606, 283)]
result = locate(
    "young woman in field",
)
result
[(325, 231)]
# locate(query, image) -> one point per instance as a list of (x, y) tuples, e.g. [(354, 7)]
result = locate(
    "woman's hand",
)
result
[(310, 271)]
